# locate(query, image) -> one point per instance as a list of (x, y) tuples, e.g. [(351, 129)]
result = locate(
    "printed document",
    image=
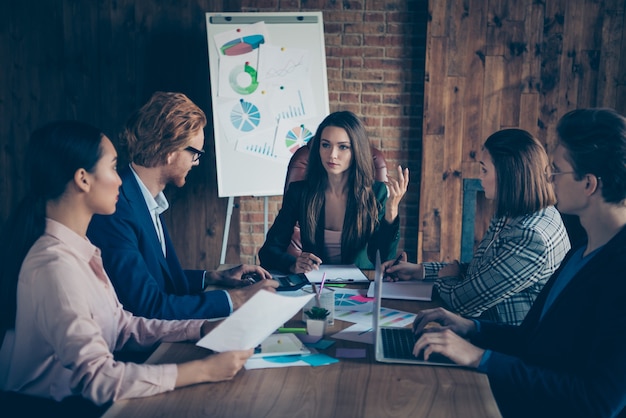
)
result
[(254, 321)]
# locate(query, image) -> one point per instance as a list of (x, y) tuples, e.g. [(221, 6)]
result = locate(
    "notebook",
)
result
[(337, 273), (395, 345), (280, 345), (409, 290)]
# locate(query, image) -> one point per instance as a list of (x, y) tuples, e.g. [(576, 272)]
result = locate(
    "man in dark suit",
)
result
[(164, 138)]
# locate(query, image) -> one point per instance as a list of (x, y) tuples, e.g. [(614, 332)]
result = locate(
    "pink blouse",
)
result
[(69, 321), (332, 243)]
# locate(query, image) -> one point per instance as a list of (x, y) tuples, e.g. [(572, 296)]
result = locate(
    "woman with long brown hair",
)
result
[(345, 216)]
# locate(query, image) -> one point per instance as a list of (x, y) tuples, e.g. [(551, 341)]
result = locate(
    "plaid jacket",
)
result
[(510, 267)]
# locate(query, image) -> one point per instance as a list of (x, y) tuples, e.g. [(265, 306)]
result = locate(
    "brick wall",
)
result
[(375, 53)]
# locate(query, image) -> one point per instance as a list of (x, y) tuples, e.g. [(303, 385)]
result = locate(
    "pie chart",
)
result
[(297, 137), (245, 116), (242, 46)]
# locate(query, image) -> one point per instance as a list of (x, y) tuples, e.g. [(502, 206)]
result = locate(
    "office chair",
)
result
[(296, 171)]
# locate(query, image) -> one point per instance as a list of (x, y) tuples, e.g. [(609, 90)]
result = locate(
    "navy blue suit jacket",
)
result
[(147, 283), (572, 362)]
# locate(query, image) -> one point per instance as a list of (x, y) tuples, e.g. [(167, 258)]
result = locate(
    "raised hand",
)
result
[(396, 189)]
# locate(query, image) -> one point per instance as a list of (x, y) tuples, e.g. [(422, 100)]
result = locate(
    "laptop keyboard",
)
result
[(398, 342)]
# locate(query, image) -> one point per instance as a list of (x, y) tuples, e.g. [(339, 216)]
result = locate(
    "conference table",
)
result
[(352, 387)]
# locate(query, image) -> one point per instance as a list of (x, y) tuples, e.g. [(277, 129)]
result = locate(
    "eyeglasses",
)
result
[(550, 174), (197, 153)]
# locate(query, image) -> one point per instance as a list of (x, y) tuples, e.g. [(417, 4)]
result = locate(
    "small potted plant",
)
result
[(316, 324)]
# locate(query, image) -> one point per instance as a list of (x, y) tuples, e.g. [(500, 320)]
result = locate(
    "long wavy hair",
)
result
[(362, 208), (54, 154)]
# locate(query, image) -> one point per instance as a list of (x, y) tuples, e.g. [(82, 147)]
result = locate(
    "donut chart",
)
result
[(243, 79), (297, 137), (245, 116)]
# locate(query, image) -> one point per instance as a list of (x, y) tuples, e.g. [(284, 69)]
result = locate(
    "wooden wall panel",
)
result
[(451, 179), (524, 64), (97, 62), (430, 221)]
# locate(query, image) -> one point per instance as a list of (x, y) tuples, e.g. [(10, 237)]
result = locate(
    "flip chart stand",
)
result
[(229, 215)]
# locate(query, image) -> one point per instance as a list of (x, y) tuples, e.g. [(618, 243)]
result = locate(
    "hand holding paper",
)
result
[(249, 325)]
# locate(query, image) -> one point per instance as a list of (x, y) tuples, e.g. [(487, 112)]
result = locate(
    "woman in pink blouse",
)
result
[(61, 320)]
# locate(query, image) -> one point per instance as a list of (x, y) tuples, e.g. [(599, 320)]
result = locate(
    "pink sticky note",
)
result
[(362, 299)]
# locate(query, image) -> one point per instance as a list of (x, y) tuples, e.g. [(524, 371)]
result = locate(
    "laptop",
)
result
[(393, 344)]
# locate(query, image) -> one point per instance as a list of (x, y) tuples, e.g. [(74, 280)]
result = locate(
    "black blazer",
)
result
[(273, 254), (573, 362)]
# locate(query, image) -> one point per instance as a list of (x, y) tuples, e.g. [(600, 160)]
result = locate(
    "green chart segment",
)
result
[(243, 79)]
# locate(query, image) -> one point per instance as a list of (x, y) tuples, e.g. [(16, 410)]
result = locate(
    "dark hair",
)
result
[(54, 154), (163, 125), (361, 199), (595, 139), (520, 162)]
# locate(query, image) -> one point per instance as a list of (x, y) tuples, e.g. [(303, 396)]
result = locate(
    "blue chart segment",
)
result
[(245, 116), (297, 137)]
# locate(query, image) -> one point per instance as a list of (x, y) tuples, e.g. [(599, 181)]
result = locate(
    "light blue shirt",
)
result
[(156, 205)]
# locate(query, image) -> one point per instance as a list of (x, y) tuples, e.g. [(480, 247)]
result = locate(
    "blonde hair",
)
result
[(163, 125)]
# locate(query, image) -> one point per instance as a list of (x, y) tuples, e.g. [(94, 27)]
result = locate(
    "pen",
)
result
[(395, 263), (317, 295), (366, 331)]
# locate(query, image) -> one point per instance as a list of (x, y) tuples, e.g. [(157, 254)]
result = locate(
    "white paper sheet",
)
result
[(337, 273), (360, 333), (409, 290), (253, 322)]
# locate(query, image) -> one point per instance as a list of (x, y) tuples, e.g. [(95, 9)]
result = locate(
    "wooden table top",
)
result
[(350, 388)]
